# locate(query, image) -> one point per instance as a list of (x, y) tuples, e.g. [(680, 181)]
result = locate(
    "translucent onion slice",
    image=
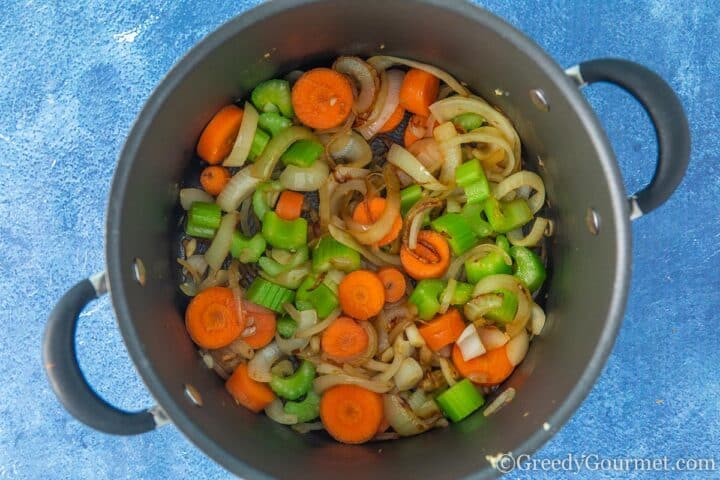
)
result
[(372, 233), (378, 104), (382, 62), (188, 196), (520, 180), (485, 135), (500, 401), (220, 246), (470, 344), (378, 258), (323, 382), (244, 139), (538, 230), (402, 418), (408, 375), (365, 77), (304, 179), (413, 335), (307, 427), (451, 151), (517, 348), (392, 99), (240, 187), (318, 327), (407, 162), (277, 413), (492, 337), (350, 147), (476, 252), (214, 279), (260, 365), (537, 319), (427, 151), (492, 283)]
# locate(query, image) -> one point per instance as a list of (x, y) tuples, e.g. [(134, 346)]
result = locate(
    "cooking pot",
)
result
[(563, 141)]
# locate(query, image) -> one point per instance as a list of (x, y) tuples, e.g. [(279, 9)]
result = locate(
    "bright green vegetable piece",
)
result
[(270, 266), (289, 260), (305, 410), (507, 216), (199, 232), (296, 385), (269, 295), (409, 196), (207, 215), (460, 400), (468, 121), (462, 294), (273, 122), (505, 313), (287, 234), (273, 95), (426, 297), (302, 153), (259, 142), (472, 213), (459, 235), (502, 242), (528, 267), (320, 297), (329, 254), (286, 326), (471, 176), (260, 203), (247, 250), (491, 264)]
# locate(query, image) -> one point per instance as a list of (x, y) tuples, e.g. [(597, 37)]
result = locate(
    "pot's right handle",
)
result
[(668, 118)]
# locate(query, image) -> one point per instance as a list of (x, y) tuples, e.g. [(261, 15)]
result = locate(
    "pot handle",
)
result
[(68, 381), (668, 119)]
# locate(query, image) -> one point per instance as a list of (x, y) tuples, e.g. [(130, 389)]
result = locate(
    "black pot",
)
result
[(563, 140)]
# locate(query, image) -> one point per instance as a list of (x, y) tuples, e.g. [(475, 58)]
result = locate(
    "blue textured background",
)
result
[(72, 79)]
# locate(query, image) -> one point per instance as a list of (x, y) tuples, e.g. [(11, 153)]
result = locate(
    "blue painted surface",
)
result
[(75, 74)]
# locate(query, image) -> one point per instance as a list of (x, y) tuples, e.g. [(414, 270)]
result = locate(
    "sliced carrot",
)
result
[(368, 212), (419, 90), (443, 329), (361, 294), (322, 98), (214, 178), (212, 318), (430, 259), (416, 124), (351, 414), (289, 205), (488, 369), (394, 282), (249, 393), (394, 120), (344, 339), (264, 322), (218, 138)]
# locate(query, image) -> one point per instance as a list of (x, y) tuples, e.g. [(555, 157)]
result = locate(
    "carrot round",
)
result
[(214, 178), (394, 120), (362, 294), (488, 369), (344, 339), (430, 259), (218, 138), (322, 98), (368, 212), (247, 392), (443, 329), (419, 90), (264, 323), (351, 414), (394, 282), (289, 205), (212, 318)]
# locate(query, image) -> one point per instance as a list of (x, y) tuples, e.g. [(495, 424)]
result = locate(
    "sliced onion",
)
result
[(240, 187), (382, 62), (447, 295), (407, 162), (289, 346), (492, 283), (342, 173), (339, 194), (523, 179), (214, 279), (427, 151), (191, 269), (283, 368), (476, 252), (189, 288), (243, 142), (414, 220), (291, 278), (332, 280), (378, 104), (304, 179), (365, 77), (277, 413), (402, 351), (448, 108), (408, 375), (537, 319), (323, 382), (470, 344), (220, 246), (374, 232), (376, 366), (259, 366), (350, 147), (234, 284), (188, 196), (477, 307), (492, 337), (428, 409), (537, 232), (394, 80), (376, 258), (451, 152), (324, 206), (387, 355), (485, 135), (328, 369), (517, 348), (318, 327), (371, 349), (245, 217), (448, 371), (401, 417), (265, 163), (413, 335), (307, 427), (500, 401)]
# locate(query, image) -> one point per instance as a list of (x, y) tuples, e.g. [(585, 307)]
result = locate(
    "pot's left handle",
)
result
[(66, 377)]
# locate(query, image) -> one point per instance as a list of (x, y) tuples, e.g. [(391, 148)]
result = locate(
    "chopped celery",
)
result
[(460, 400), (269, 295), (302, 153)]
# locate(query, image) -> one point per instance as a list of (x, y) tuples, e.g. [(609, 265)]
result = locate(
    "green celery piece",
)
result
[(306, 410), (505, 313), (273, 95), (207, 215), (330, 254), (507, 216), (287, 234), (269, 295), (247, 250), (286, 326), (462, 294), (259, 142), (273, 122), (320, 298), (528, 267), (302, 153), (491, 264), (468, 121), (296, 385), (460, 400), (426, 297), (409, 196), (472, 214), (460, 236)]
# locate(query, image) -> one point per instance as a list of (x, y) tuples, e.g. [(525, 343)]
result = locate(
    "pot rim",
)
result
[(118, 273)]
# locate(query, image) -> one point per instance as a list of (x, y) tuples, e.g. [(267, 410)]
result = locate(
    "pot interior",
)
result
[(586, 287)]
